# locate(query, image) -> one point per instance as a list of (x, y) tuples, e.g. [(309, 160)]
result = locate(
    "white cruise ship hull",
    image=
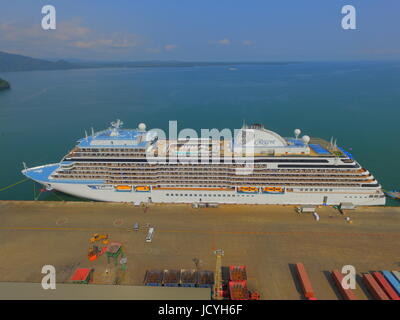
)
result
[(360, 198)]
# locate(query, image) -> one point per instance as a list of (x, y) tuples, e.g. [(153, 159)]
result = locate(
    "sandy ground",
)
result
[(267, 239)]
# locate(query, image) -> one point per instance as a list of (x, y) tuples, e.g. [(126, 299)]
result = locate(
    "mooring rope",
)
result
[(13, 185)]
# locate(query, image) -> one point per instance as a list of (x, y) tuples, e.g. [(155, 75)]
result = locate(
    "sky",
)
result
[(202, 30)]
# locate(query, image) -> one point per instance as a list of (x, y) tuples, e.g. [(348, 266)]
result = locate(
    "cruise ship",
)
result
[(139, 166)]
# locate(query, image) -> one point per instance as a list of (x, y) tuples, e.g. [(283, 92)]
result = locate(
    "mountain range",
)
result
[(10, 62)]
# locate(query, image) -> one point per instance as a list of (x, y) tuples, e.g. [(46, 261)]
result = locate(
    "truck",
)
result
[(150, 234), (305, 209)]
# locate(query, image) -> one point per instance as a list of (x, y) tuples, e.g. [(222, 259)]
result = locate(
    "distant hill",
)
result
[(4, 84), (16, 62)]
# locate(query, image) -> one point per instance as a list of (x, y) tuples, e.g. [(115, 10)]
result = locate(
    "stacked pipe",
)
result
[(347, 294), (305, 282)]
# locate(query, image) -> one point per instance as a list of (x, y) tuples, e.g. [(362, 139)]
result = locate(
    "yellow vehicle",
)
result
[(98, 237)]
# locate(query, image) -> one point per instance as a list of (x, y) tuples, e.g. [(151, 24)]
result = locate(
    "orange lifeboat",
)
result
[(142, 189), (123, 188), (274, 190), (247, 189)]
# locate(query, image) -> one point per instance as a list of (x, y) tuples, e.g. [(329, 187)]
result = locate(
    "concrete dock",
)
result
[(267, 239)]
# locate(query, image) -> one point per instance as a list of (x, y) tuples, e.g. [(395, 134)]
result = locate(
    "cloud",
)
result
[(224, 41), (170, 47), (247, 42), (70, 37), (66, 30), (115, 41)]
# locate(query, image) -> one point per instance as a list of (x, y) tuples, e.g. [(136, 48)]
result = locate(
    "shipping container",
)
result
[(391, 293), (238, 290), (347, 294), (153, 278), (188, 278), (304, 281), (392, 280), (171, 278), (374, 288), (237, 273), (205, 279)]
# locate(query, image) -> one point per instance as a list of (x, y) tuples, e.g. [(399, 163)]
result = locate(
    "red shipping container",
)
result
[(237, 273), (238, 290), (347, 294), (385, 286), (374, 287), (305, 281)]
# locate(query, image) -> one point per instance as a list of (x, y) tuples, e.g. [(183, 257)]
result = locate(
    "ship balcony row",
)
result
[(208, 173), (231, 180), (214, 169)]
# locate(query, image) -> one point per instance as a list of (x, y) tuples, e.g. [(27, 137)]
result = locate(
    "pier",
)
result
[(266, 239)]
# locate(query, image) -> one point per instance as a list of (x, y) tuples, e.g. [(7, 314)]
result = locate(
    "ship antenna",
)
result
[(86, 135), (116, 126), (92, 131), (24, 164)]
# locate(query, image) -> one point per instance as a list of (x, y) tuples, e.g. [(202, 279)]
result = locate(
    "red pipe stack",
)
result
[(305, 282), (385, 286), (374, 287), (347, 294)]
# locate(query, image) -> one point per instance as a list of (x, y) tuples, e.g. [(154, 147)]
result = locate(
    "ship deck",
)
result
[(318, 148)]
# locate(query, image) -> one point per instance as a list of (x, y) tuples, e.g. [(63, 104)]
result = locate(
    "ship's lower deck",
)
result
[(101, 192)]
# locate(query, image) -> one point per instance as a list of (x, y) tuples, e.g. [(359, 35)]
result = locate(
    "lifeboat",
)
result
[(142, 189), (123, 188), (274, 190), (247, 189)]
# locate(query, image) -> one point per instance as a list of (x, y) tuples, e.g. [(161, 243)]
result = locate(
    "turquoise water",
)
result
[(358, 103)]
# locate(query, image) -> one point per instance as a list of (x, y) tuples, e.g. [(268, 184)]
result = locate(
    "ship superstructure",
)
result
[(257, 166)]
